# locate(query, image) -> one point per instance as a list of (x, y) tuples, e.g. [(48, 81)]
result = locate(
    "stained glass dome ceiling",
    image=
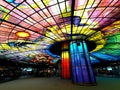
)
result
[(50, 21)]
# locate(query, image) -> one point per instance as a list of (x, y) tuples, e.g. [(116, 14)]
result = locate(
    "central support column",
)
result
[(65, 61), (80, 64)]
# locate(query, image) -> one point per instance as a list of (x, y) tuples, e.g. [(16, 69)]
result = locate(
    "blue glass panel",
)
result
[(94, 60), (104, 56)]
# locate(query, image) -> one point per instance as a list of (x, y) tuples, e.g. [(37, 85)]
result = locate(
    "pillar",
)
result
[(81, 69), (65, 61)]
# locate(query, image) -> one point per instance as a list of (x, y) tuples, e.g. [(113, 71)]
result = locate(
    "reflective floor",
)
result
[(55, 83)]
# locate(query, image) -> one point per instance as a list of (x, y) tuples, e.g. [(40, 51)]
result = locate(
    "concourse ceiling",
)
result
[(50, 21)]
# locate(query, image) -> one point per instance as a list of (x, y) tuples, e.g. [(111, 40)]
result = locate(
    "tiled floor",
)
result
[(103, 83)]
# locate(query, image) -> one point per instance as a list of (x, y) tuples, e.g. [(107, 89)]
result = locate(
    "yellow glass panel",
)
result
[(5, 46)]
